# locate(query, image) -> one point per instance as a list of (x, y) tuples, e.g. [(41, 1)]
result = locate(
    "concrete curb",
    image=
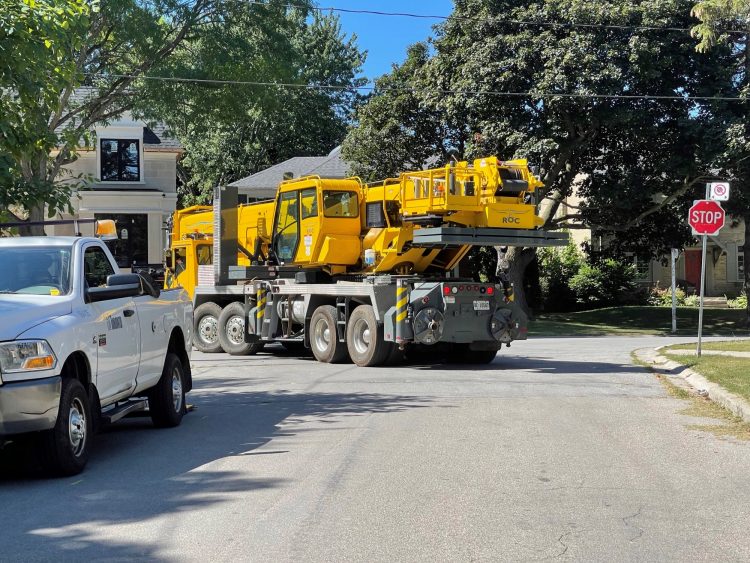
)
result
[(733, 403)]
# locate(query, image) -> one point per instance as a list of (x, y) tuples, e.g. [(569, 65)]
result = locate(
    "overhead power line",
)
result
[(528, 23), (371, 87)]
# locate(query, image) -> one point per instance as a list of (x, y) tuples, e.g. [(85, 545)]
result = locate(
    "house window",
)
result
[(740, 264), (642, 268), (120, 160)]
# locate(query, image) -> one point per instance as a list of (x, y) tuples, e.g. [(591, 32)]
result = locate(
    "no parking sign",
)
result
[(718, 191)]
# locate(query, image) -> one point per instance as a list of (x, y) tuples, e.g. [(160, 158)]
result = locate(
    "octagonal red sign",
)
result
[(706, 217)]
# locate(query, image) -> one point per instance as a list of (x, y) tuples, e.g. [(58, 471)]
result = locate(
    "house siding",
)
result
[(155, 196)]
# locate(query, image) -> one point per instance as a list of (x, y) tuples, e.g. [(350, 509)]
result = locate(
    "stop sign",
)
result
[(706, 217)]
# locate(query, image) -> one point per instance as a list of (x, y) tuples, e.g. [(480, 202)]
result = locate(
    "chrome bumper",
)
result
[(28, 406)]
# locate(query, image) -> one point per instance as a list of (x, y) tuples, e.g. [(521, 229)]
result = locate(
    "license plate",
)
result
[(481, 305)]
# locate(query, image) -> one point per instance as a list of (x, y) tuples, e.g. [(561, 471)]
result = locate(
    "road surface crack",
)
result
[(565, 545), (629, 525)]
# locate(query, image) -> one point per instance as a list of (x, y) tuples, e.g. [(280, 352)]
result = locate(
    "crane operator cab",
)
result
[(317, 223)]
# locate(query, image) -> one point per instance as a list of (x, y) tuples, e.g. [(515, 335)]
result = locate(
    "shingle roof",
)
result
[(263, 184), (155, 136)]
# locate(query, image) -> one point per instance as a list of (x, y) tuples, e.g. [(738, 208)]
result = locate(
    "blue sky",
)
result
[(386, 37)]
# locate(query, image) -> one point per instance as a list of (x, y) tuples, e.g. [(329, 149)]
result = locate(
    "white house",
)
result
[(131, 172)]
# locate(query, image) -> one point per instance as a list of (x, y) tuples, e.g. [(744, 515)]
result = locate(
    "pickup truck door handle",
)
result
[(128, 312)]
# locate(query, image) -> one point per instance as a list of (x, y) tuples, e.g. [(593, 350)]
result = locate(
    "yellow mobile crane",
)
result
[(355, 270)]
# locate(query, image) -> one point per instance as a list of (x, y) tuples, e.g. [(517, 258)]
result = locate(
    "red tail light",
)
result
[(490, 290), (446, 290)]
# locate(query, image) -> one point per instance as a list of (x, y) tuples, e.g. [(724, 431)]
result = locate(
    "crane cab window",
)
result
[(286, 232), (204, 254), (340, 204), (179, 259), (309, 200)]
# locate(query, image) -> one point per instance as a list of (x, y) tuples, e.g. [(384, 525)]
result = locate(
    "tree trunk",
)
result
[(36, 170), (511, 266), (35, 214)]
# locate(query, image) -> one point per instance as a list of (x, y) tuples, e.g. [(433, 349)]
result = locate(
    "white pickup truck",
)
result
[(80, 343)]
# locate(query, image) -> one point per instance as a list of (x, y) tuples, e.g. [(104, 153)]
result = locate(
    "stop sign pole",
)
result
[(706, 217)]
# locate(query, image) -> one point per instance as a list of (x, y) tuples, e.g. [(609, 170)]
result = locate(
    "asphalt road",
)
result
[(561, 448)]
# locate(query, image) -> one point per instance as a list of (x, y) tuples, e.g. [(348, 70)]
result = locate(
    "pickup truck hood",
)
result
[(19, 313)]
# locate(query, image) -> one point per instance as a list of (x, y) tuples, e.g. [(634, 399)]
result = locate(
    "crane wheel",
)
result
[(324, 341), (206, 328), (232, 331), (364, 338)]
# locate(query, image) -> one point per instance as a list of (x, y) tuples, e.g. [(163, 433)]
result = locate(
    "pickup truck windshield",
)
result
[(35, 270)]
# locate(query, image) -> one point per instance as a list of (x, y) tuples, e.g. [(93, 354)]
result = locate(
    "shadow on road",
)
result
[(539, 365), (137, 473)]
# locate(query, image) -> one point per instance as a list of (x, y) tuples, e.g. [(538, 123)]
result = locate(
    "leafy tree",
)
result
[(106, 47), (396, 130), (231, 130), (38, 41), (731, 131), (713, 15), (109, 48), (474, 86)]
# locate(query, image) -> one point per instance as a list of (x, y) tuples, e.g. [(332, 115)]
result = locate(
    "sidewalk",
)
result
[(733, 403)]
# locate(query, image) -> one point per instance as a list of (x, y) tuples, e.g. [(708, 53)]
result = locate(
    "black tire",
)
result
[(465, 355), (166, 401), (65, 448), (206, 328), (324, 341), (364, 338), (232, 331)]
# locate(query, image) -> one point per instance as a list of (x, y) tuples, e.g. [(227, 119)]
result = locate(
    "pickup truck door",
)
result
[(155, 318), (114, 329)]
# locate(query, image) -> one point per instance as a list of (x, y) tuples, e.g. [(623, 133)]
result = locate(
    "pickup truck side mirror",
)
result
[(149, 285), (118, 285)]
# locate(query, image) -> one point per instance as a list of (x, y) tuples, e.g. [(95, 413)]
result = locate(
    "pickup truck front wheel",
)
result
[(166, 402), (65, 448)]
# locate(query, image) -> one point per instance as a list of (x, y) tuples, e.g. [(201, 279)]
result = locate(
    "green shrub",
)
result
[(606, 283), (556, 268), (739, 303), (692, 301), (662, 297)]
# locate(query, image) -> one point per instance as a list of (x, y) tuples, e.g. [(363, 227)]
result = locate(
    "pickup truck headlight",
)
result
[(26, 355)]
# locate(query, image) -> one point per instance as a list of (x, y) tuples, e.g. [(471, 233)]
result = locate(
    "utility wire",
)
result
[(371, 87), (559, 25)]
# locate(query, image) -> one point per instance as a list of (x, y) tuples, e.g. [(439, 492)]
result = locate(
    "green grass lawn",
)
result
[(730, 346), (733, 374), (640, 320)]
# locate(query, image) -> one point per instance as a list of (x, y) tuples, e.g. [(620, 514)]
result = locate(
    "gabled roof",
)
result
[(156, 136), (263, 184)]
